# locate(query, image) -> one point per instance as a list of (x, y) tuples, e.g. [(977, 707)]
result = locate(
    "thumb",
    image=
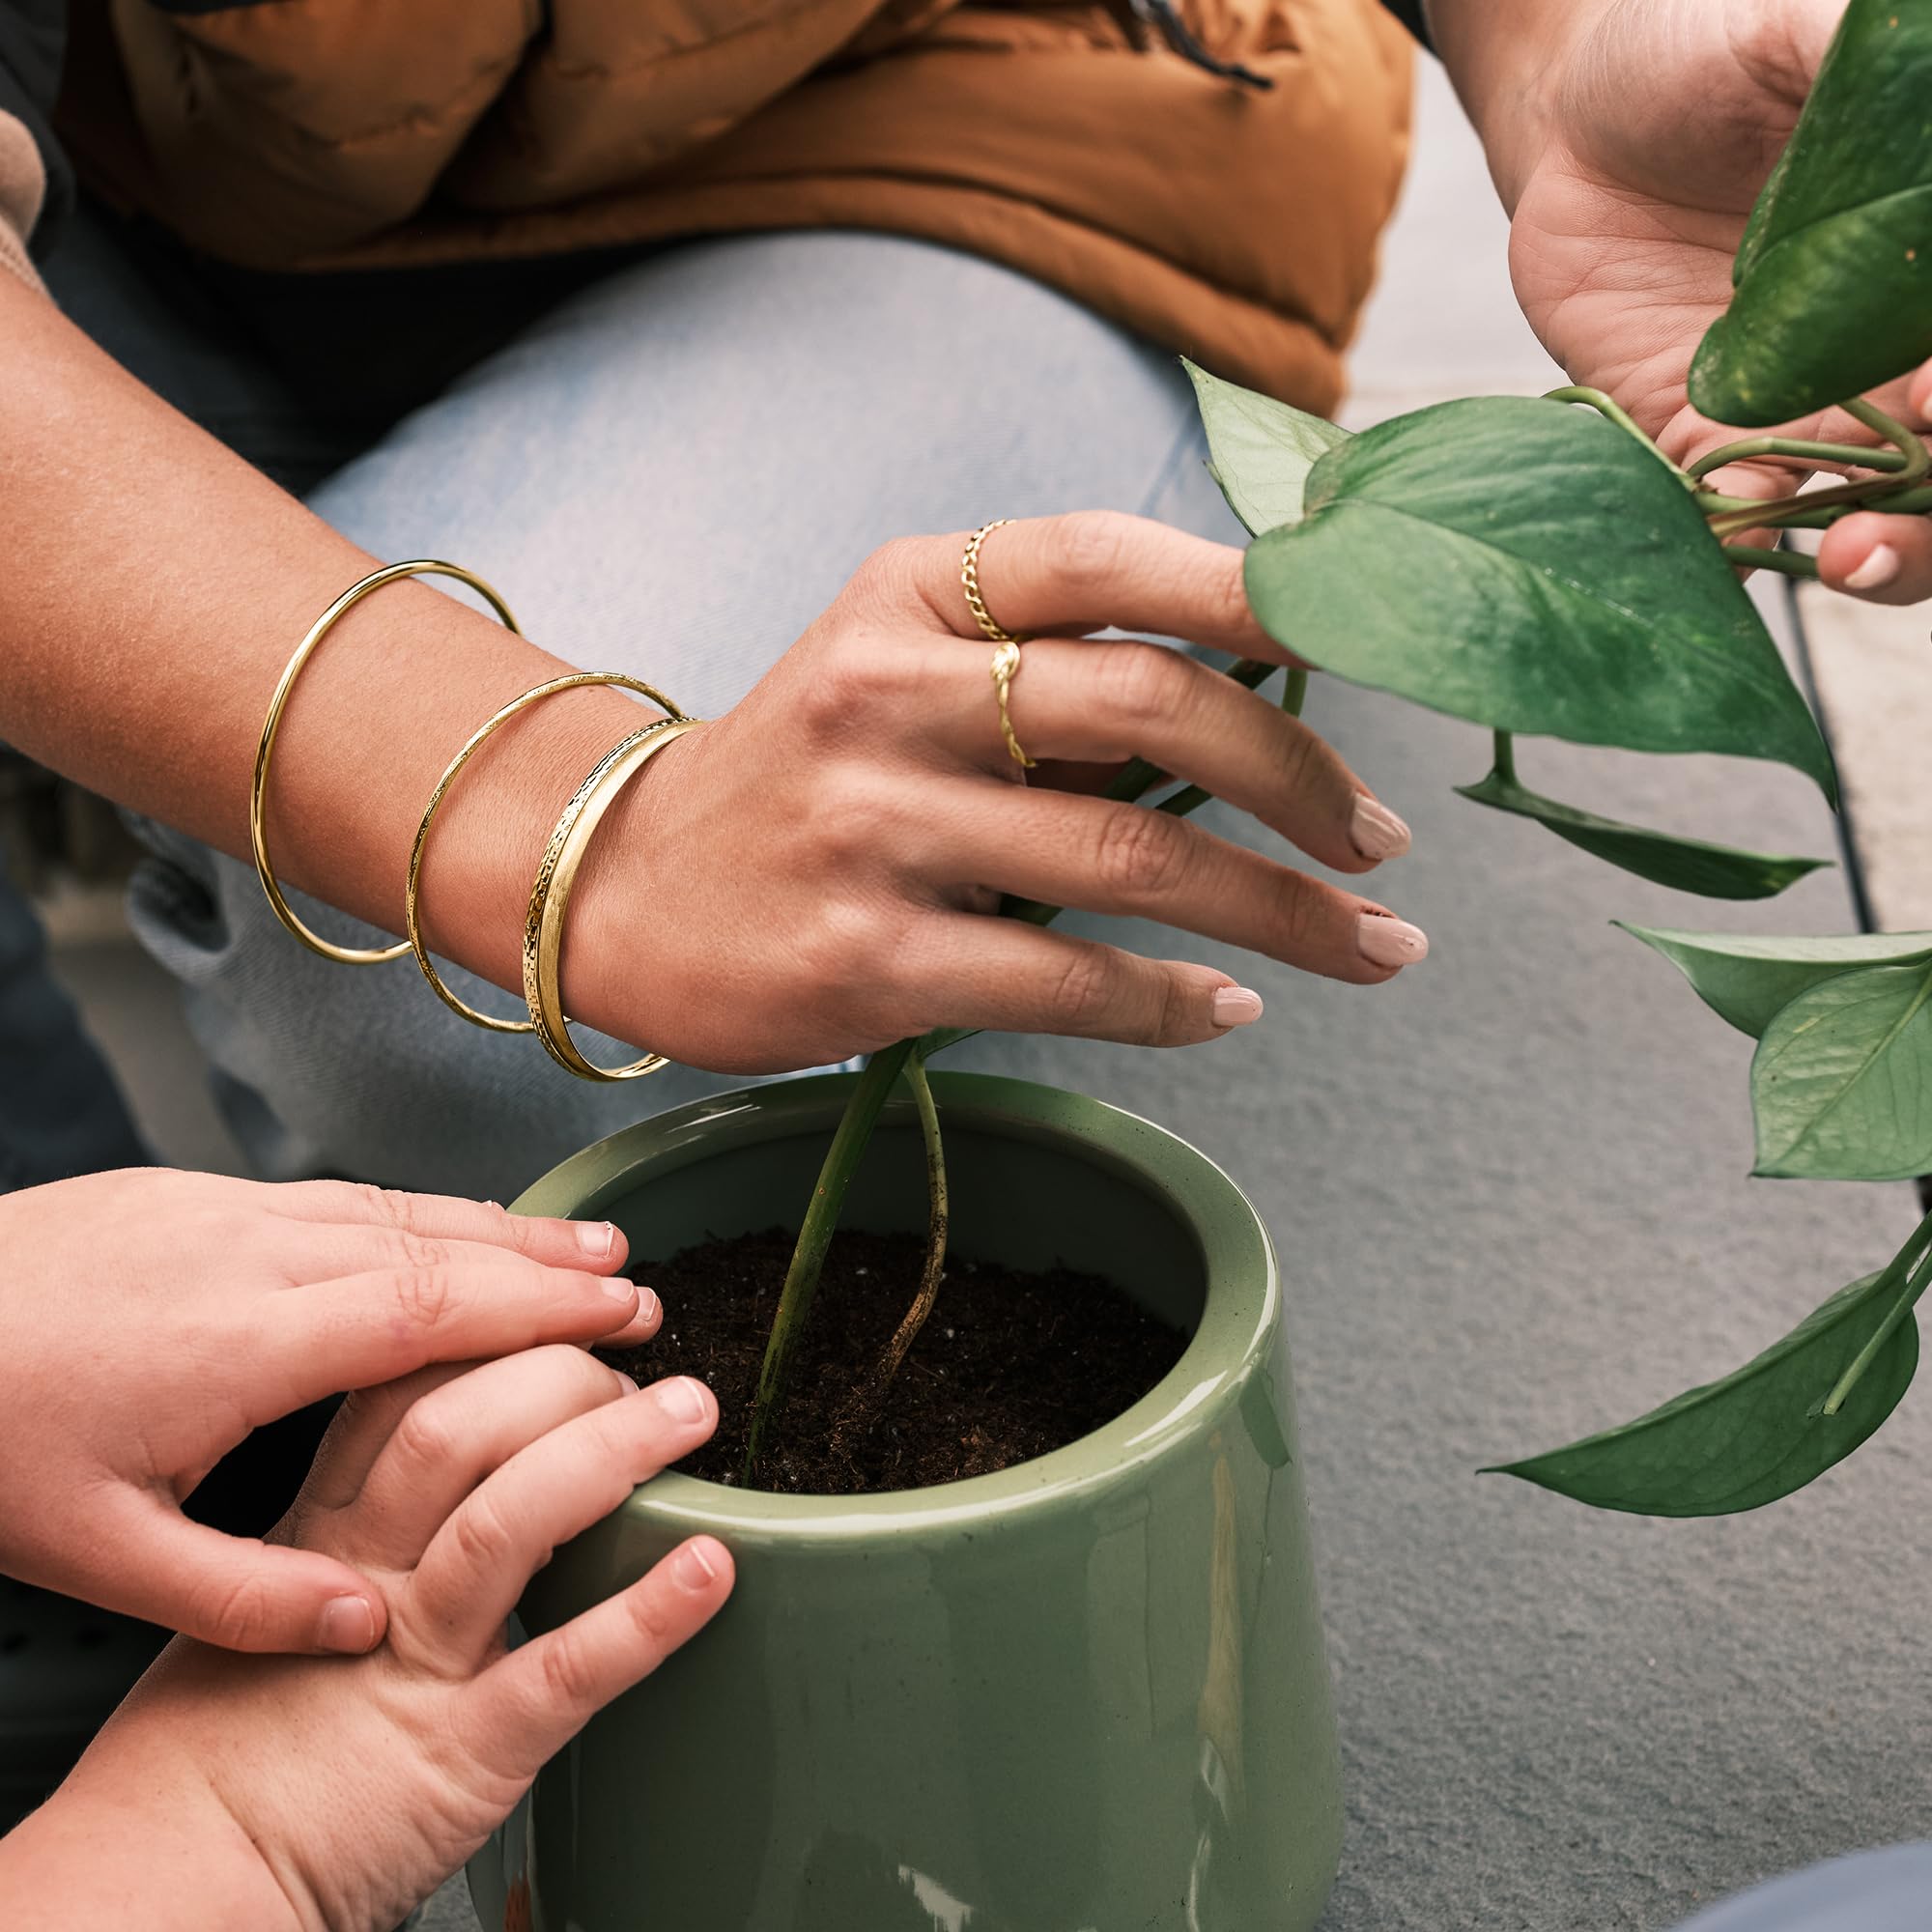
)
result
[(238, 1592)]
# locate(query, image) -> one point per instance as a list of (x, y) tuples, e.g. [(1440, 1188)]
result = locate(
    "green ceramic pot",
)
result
[(1086, 1694)]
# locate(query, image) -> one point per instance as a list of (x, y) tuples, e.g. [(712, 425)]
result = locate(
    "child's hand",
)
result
[(151, 1319), (265, 1793)]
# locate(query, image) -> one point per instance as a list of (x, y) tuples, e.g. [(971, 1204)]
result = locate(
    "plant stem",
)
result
[(1863, 491), (1505, 757), (1615, 411), (938, 1220), (821, 1223), (1790, 562), (1847, 454), (1916, 1255)]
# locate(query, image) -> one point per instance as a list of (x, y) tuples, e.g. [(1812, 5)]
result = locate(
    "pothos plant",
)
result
[(1562, 577)]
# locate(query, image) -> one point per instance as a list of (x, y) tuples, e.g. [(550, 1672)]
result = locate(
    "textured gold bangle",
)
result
[(411, 917), (550, 897), (258, 796)]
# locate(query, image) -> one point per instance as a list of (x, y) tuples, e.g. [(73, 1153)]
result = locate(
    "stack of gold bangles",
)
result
[(564, 855)]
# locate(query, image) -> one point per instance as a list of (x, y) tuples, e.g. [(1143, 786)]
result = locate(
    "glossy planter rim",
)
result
[(1240, 1314)]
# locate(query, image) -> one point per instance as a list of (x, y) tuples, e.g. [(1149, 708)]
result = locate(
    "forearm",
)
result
[(155, 588)]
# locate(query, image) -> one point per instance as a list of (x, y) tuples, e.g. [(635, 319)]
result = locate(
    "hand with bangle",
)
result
[(901, 813)]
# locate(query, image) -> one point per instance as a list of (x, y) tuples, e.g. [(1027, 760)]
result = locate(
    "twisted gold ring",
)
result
[(1004, 667), (411, 893)]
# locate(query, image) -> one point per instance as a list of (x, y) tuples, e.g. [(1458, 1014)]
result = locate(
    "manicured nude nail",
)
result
[(1375, 831), (620, 1290), (597, 1238), (1388, 941), (684, 1400), (696, 1570), (348, 1625), (1877, 570), (1236, 1006)]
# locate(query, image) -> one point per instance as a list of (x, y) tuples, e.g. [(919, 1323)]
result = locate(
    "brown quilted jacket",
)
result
[(1063, 139)]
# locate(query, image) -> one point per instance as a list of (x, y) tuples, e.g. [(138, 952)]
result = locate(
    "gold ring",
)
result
[(550, 897), (1004, 667), (258, 795), (969, 576), (412, 920)]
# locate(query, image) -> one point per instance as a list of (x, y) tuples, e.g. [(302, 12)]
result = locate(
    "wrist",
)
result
[(1509, 60), (150, 1846)]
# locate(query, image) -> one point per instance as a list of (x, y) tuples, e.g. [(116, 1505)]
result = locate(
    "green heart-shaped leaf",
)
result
[(1690, 865), (1531, 567), (1261, 450), (1757, 1435), (1842, 1082), (1834, 272), (1747, 979)]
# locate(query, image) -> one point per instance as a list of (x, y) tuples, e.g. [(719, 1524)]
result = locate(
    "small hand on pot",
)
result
[(151, 1319), (810, 876), (293, 1792)]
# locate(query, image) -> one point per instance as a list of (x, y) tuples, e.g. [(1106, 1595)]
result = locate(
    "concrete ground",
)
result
[(1551, 1721)]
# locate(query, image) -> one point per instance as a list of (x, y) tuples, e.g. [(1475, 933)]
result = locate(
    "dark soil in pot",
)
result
[(1010, 1366)]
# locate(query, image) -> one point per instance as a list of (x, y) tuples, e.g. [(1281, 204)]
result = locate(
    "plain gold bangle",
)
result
[(258, 829), (550, 897), (412, 920)]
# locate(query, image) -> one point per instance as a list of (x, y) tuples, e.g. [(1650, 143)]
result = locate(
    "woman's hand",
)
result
[(277, 1793), (1630, 138), (151, 1319), (813, 875)]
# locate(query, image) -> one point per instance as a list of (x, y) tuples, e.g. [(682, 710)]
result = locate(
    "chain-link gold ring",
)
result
[(969, 576)]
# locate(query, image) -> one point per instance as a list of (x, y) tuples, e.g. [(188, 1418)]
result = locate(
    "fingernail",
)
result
[(1877, 570), (1388, 941), (695, 1569), (620, 1290), (1236, 1006), (648, 1304), (498, 1205), (684, 1400), (348, 1625), (1375, 831), (626, 1384), (597, 1238)]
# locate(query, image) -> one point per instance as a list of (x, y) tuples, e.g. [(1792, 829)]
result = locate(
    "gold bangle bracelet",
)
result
[(258, 796), (550, 897), (411, 917)]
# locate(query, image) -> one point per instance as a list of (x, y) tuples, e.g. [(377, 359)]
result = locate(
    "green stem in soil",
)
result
[(1915, 1257), (1788, 562), (868, 1099), (938, 1220), (1505, 757), (814, 1238)]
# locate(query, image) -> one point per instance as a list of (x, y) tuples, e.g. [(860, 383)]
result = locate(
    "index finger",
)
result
[(1091, 571), (597, 1247)]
